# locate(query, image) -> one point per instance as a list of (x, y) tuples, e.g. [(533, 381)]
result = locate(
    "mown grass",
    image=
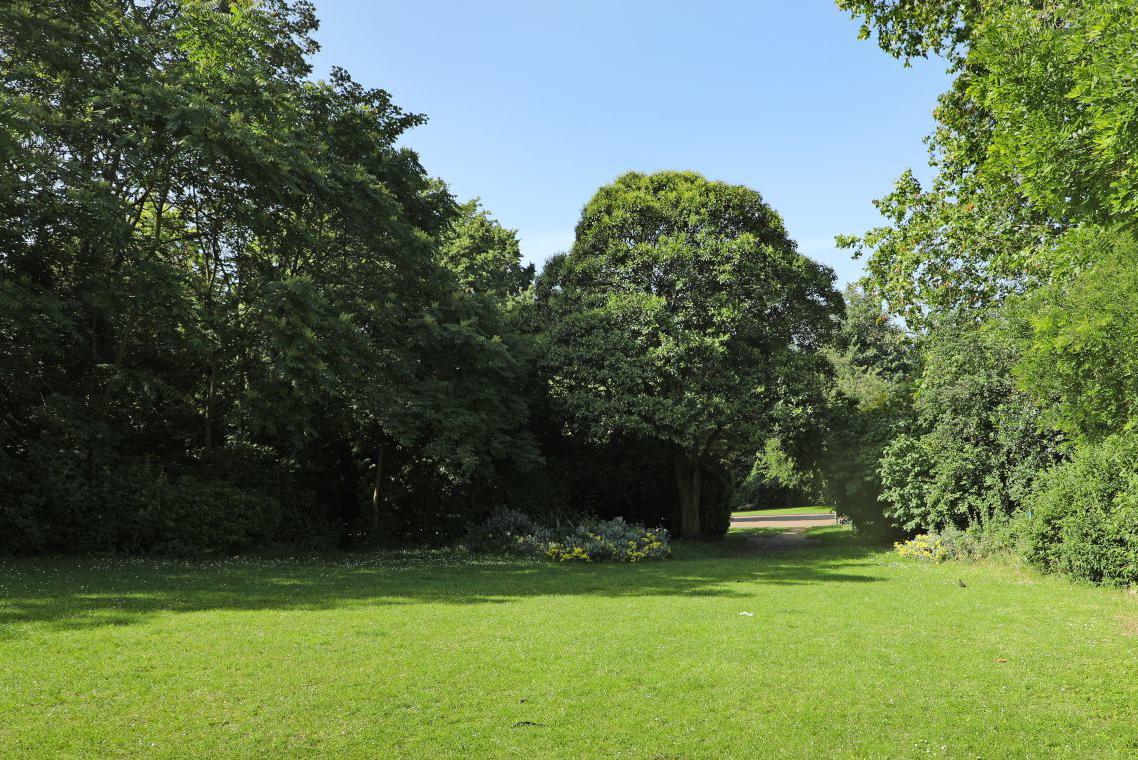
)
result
[(849, 652), (815, 534)]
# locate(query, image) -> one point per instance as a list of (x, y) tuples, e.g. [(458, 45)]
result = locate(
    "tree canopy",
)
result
[(207, 255), (1015, 266), (1034, 137), (684, 314)]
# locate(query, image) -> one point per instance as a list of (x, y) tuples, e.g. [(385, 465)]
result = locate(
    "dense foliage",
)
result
[(1084, 518), (1016, 269), (235, 311), (867, 407), (227, 296), (975, 447)]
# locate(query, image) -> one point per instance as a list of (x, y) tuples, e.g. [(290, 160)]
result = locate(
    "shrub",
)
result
[(201, 517), (589, 540), (501, 530), (1084, 514), (868, 404), (133, 507), (998, 537), (858, 431), (616, 540), (927, 547), (978, 443)]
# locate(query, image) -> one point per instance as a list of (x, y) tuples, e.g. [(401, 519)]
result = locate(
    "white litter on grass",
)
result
[(748, 614)]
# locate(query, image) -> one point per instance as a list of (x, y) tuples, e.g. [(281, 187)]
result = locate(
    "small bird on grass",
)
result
[(962, 583)]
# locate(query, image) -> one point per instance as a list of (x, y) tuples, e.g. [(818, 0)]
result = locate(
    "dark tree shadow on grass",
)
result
[(72, 593)]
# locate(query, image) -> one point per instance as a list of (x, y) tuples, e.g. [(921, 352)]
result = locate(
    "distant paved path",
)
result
[(783, 521)]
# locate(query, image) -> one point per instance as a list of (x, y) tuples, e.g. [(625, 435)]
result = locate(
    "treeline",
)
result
[(226, 292), (235, 311), (1015, 275)]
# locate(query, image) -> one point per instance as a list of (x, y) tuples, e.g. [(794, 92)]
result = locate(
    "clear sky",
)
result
[(534, 104)]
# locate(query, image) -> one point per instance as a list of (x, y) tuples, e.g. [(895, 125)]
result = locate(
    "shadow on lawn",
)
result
[(71, 593)]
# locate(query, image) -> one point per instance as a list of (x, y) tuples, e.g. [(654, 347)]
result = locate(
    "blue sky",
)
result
[(534, 105)]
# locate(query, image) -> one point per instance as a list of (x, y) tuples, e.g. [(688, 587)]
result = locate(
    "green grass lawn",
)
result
[(785, 511), (826, 532), (850, 652)]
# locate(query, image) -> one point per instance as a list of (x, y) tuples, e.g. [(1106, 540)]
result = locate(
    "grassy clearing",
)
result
[(785, 511), (849, 652)]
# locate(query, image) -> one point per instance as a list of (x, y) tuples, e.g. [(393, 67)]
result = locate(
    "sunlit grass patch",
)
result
[(445, 654)]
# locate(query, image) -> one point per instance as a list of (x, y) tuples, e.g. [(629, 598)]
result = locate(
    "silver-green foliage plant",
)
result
[(584, 540)]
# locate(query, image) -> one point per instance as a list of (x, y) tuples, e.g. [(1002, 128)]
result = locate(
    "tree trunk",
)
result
[(376, 496), (209, 409), (688, 482)]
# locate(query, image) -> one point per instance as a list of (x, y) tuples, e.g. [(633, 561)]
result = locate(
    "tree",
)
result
[(683, 314), (869, 404), (1059, 83), (209, 258), (1079, 337), (978, 443), (1036, 137), (914, 28), (484, 255)]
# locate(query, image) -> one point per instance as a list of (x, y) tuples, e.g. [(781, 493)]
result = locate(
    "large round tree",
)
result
[(685, 314)]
